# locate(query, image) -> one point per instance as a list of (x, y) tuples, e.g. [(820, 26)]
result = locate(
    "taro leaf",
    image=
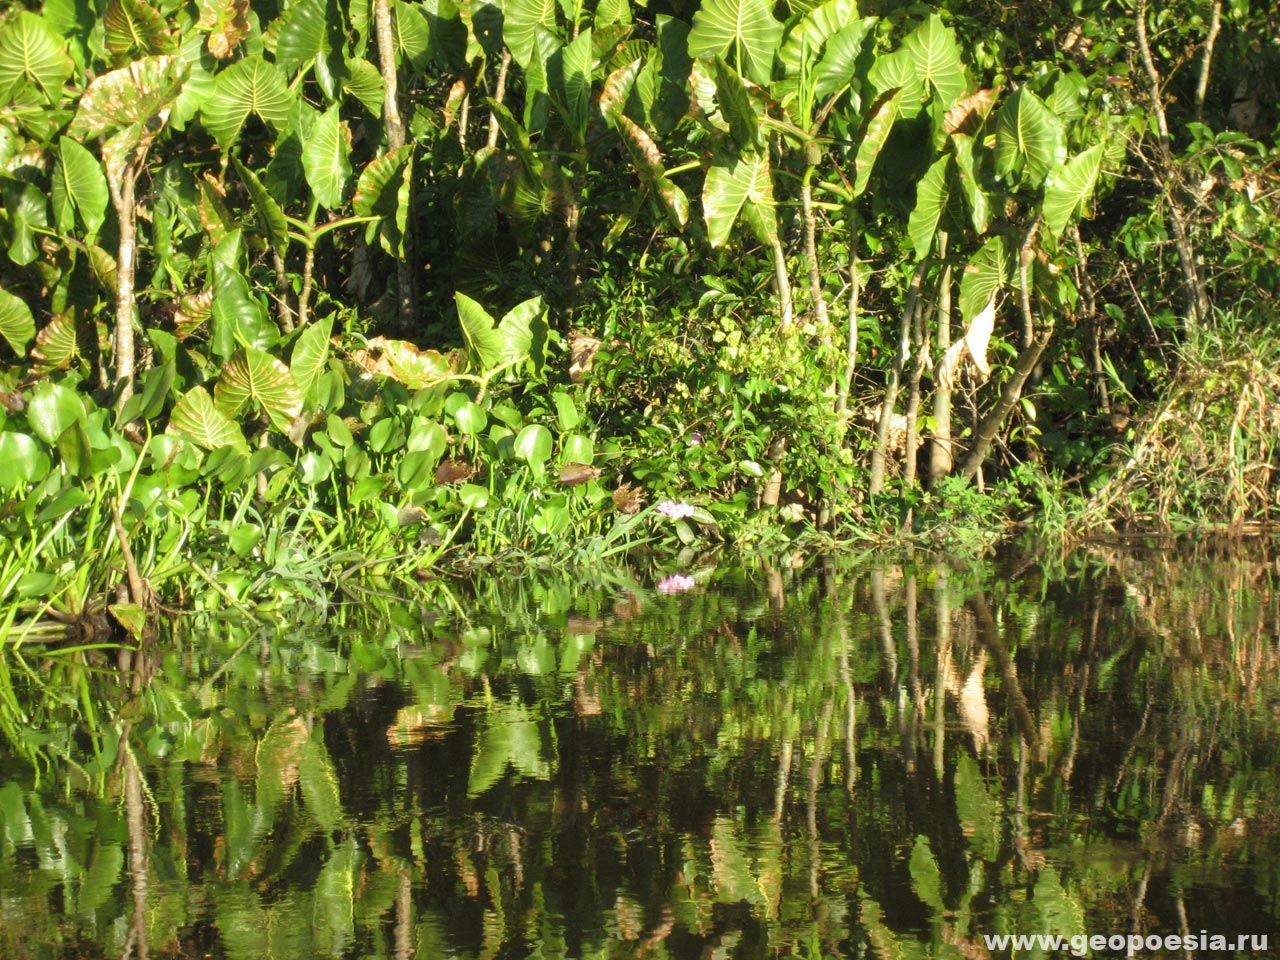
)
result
[(671, 100), (521, 19), (988, 270), (17, 325), (413, 34), (56, 344), (248, 86), (934, 55), (491, 345), (319, 785), (1028, 130), (364, 82), (617, 88), (303, 36), (28, 211), (569, 76), (200, 83), (1068, 189), (78, 185), (736, 106), (378, 194), (22, 460), (739, 185), (577, 449), (310, 355), (967, 174), (926, 878), (416, 369), (134, 94), (533, 445), (254, 377), (131, 616), (744, 32), (931, 200), (277, 228), (53, 408), (134, 27), (805, 41), (839, 63), (333, 927), (326, 158), (227, 22), (238, 318), (32, 54), (883, 115), (648, 159), (195, 418)]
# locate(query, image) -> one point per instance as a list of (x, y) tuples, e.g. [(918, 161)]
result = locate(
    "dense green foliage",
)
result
[(325, 281)]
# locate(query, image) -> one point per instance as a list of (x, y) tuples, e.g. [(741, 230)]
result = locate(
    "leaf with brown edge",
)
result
[(966, 116), (134, 94), (192, 312), (453, 102), (652, 173), (136, 27), (617, 87), (252, 377), (195, 418), (227, 22), (56, 344), (582, 352), (576, 474)]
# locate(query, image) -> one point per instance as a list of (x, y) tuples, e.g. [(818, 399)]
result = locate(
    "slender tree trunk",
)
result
[(499, 95), (880, 454), (816, 297), (782, 282), (920, 345), (940, 451), (124, 352), (394, 125), (139, 856), (284, 313), (1168, 180), (851, 347), (1206, 58)]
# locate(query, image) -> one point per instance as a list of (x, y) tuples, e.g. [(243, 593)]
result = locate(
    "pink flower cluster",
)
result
[(676, 583), (674, 510)]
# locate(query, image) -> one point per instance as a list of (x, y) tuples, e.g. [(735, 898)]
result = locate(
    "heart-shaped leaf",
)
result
[(196, 418)]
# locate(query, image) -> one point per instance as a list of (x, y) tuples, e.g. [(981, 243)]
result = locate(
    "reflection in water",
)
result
[(890, 762)]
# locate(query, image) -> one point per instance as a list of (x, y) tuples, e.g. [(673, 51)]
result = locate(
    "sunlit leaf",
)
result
[(252, 377), (493, 345), (32, 54), (23, 460), (520, 22), (17, 325), (310, 355), (196, 418), (227, 24), (1069, 188), (326, 158), (1028, 132), (883, 115), (56, 344), (744, 32), (78, 185), (134, 27), (272, 217), (931, 201), (569, 76), (805, 41), (248, 86), (988, 270), (739, 186), (52, 409), (134, 94)]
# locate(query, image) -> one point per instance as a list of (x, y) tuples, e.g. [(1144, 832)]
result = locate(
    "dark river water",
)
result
[(809, 759)]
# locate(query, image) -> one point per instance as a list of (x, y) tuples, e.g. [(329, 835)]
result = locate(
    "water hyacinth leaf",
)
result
[(227, 22), (473, 496), (533, 445), (931, 200), (883, 115), (739, 186), (134, 27), (1068, 188), (32, 55), (17, 325), (248, 86), (134, 94), (132, 617), (744, 32), (326, 158), (310, 355), (23, 460), (252, 377), (79, 185), (196, 418), (471, 418), (577, 449), (53, 408), (520, 22), (567, 414), (1028, 132)]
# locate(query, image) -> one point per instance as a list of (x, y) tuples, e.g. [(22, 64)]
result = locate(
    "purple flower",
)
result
[(676, 511), (676, 583), (695, 439)]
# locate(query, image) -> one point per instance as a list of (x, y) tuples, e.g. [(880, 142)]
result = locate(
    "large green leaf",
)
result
[(879, 126), (491, 345), (326, 158), (310, 355), (380, 193), (303, 36), (276, 227), (569, 76), (739, 186), (134, 27), (1028, 132), (79, 185), (521, 19), (17, 325), (805, 41), (254, 377), (934, 55), (196, 418), (1068, 188), (22, 460), (413, 33), (968, 170), (644, 151), (133, 95), (988, 270), (53, 408), (839, 63), (248, 86), (736, 106), (32, 55), (931, 200), (744, 32)]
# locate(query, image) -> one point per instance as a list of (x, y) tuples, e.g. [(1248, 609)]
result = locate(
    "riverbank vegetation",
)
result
[(341, 295)]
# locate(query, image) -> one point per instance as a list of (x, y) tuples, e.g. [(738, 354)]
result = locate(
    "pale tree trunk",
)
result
[(920, 345), (394, 125), (817, 298), (782, 282), (880, 454), (940, 451), (124, 352)]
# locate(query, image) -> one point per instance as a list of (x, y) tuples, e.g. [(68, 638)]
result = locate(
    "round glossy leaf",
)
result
[(417, 470), (577, 449), (471, 418), (244, 537), (473, 496), (22, 460), (386, 435), (427, 435), (53, 408), (314, 468), (533, 444), (566, 411)]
